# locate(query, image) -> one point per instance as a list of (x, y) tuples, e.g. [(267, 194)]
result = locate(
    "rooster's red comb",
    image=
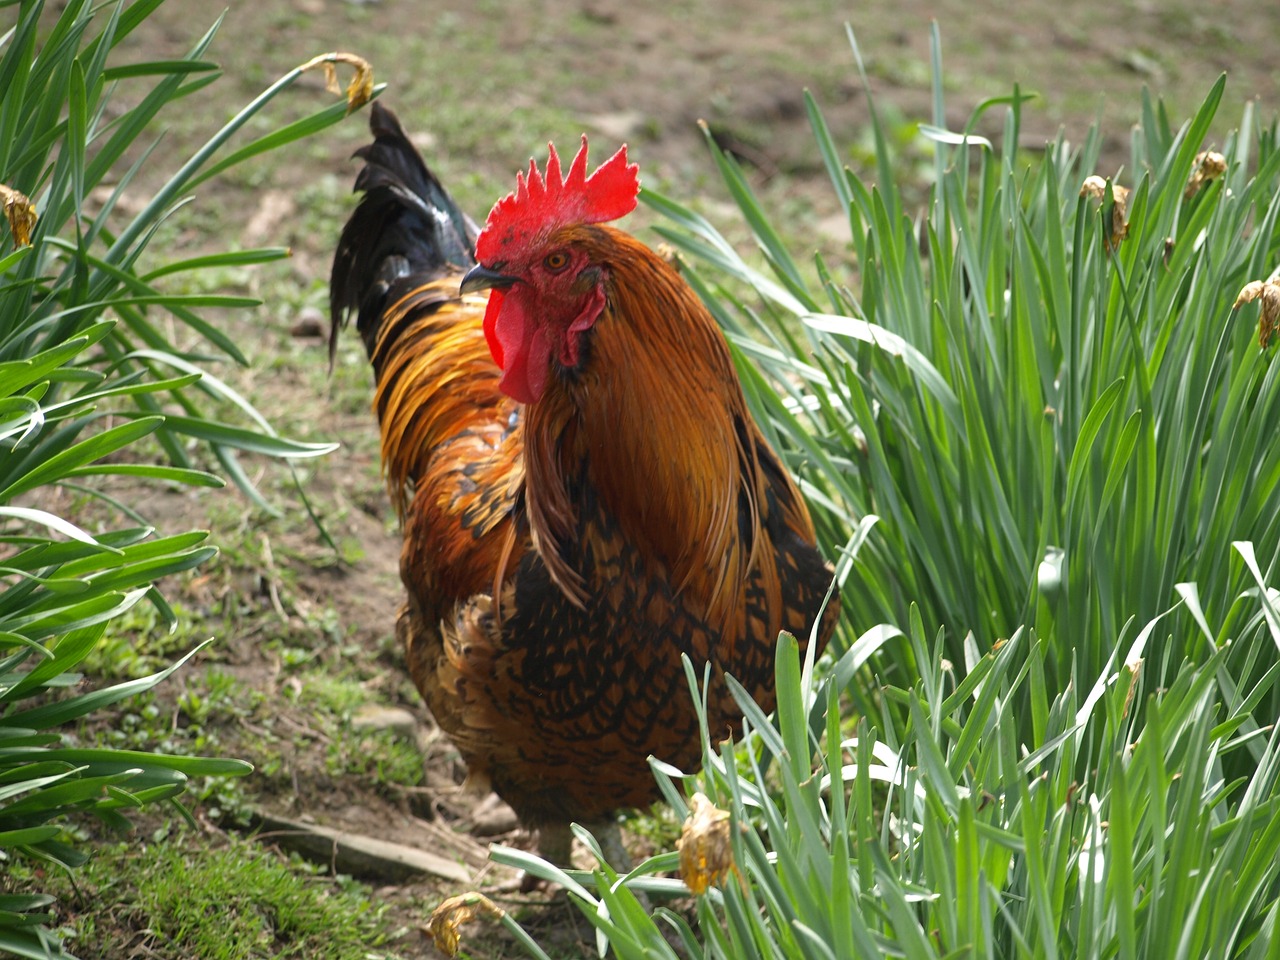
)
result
[(540, 204)]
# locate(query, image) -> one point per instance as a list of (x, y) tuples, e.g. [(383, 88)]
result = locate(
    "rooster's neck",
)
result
[(654, 429)]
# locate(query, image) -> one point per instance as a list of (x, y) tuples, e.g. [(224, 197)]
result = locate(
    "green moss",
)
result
[(240, 902)]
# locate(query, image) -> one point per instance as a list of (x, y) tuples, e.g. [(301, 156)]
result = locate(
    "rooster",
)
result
[(583, 494)]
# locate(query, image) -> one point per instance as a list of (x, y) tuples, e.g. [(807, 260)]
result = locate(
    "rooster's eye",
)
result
[(555, 262)]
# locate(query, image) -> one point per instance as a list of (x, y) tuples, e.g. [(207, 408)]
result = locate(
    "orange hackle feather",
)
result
[(438, 404), (433, 379), (662, 396)]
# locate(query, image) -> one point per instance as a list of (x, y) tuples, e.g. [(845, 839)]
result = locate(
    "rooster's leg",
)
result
[(555, 843), (609, 835)]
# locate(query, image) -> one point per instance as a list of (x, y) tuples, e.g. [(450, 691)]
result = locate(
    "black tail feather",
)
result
[(405, 226)]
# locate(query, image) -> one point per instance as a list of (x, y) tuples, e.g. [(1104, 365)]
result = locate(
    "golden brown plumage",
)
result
[(627, 512)]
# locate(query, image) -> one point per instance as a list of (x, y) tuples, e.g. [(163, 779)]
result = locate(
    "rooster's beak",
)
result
[(481, 277)]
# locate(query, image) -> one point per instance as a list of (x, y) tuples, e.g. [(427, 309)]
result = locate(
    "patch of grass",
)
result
[(657, 828), (329, 695), (377, 756), (217, 699), (330, 703), (141, 641), (236, 902)]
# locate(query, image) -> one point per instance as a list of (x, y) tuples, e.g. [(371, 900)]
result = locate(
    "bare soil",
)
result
[(473, 77)]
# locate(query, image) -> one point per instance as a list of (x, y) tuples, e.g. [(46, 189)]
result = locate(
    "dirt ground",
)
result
[(475, 80), (648, 72)]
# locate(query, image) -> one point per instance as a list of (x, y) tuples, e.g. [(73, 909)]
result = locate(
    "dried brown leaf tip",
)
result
[(1268, 291), (1096, 187), (453, 913), (359, 90), (20, 213), (1209, 165), (1134, 667), (706, 855)]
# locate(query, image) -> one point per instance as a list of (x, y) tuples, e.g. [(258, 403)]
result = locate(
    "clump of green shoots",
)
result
[(90, 366)]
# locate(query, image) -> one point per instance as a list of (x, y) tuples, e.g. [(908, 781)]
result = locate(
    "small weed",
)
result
[(221, 699), (330, 695), (658, 827)]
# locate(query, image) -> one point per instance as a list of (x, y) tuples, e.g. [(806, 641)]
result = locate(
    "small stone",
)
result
[(396, 719), (620, 125), (424, 140), (310, 323), (492, 817)]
